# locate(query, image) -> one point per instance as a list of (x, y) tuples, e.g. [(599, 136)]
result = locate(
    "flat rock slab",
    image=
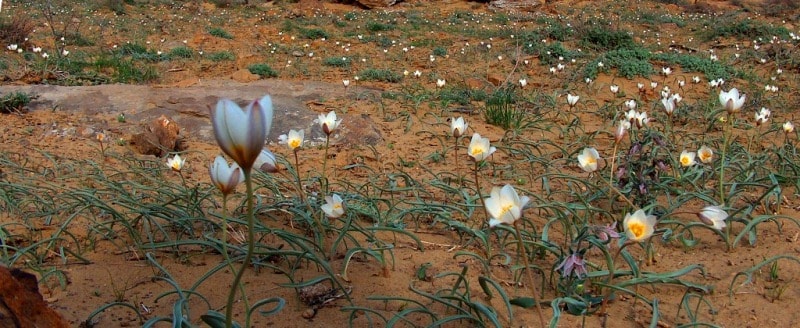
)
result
[(189, 106)]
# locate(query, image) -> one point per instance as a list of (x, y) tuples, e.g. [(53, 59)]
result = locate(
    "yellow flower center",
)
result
[(476, 151), (685, 161), (294, 143), (337, 206), (637, 229), (591, 161)]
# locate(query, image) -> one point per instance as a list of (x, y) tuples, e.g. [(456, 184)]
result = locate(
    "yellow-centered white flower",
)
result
[(328, 122), (241, 133), (687, 158), (714, 216), (334, 206), (788, 127), (225, 177), (458, 126), (294, 139), (479, 148), (504, 205), (587, 160), (705, 154), (639, 226), (731, 100), (176, 163)]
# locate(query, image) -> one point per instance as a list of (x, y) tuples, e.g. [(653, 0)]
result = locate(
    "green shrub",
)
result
[(500, 109), (313, 33), (384, 75), (14, 102), (628, 62), (374, 26), (603, 39), (220, 33), (440, 51), (342, 62), (181, 52), (263, 70), (221, 56), (744, 29), (689, 63)]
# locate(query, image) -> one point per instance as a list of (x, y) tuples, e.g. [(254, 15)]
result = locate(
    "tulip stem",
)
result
[(725, 137), (527, 268), (485, 211), (325, 163), (321, 229), (613, 158), (247, 257), (224, 241), (611, 186), (455, 151)]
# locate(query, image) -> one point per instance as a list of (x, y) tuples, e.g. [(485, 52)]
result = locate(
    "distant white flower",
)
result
[(12, 47), (64, 52), (788, 127), (346, 83), (714, 216), (572, 100), (328, 122), (333, 207), (523, 82), (37, 49), (731, 99), (696, 79), (176, 163), (294, 139), (440, 82), (666, 71), (614, 88), (479, 148), (587, 160), (600, 64), (630, 104), (762, 116), (687, 158), (705, 154), (45, 55), (653, 85), (505, 205), (417, 73)]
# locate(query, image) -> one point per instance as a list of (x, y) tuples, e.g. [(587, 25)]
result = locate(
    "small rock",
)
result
[(244, 75), (376, 3), (298, 53), (309, 313), (87, 132), (496, 79), (161, 136)]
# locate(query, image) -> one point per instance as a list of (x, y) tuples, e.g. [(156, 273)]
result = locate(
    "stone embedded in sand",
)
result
[(376, 3), (21, 304), (162, 136), (496, 79), (244, 76)]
